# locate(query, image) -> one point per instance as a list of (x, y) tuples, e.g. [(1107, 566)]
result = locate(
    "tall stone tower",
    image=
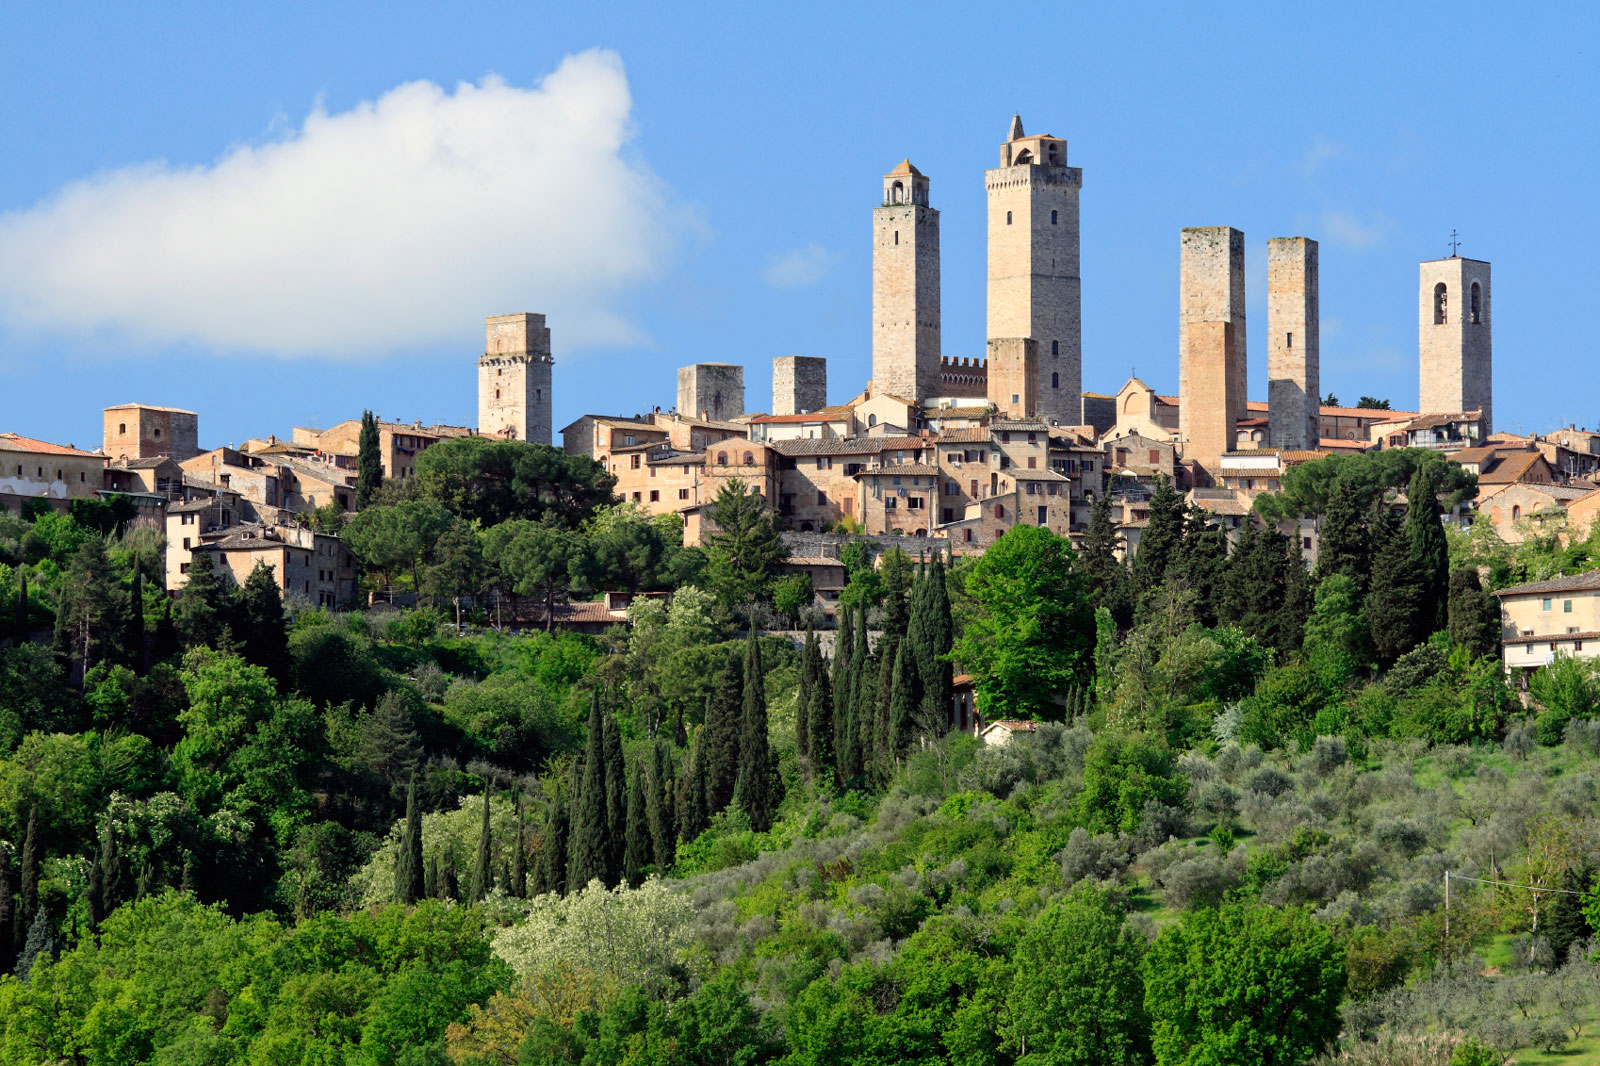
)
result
[(1013, 366), (514, 378), (799, 384), (905, 288), (1453, 338), (1211, 341), (1034, 285), (711, 390), (1293, 346)]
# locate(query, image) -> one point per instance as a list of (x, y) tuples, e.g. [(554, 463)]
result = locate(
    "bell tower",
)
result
[(905, 288), (1454, 344)]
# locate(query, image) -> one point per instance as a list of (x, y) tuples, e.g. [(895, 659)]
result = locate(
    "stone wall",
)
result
[(906, 324), (1293, 344), (799, 384), (514, 378), (829, 545), (1014, 376), (1454, 342), (141, 431), (1211, 340), (711, 390)]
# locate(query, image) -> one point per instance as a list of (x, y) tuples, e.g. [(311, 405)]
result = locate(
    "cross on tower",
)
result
[(1455, 244)]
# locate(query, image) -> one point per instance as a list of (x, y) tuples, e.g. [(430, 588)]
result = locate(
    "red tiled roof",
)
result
[(1574, 583), (15, 442)]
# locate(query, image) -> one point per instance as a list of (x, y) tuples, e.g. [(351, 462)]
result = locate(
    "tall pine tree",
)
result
[(1474, 613), (261, 623), (755, 789), (1395, 600), (1099, 562), (1160, 539), (1344, 544), (135, 651)]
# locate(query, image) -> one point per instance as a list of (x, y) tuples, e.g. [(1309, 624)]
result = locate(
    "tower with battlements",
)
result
[(1034, 283), (1453, 338), (514, 378), (905, 288)]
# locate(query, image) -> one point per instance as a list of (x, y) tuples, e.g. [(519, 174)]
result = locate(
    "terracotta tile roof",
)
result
[(905, 167), (1554, 638), (1012, 725), (1020, 425), (812, 560), (849, 445), (618, 423), (1574, 583), (1487, 451), (975, 435), (1249, 471), (1293, 456), (1377, 413), (149, 407), (1336, 445), (681, 459), (1252, 422), (141, 464), (1437, 420), (954, 412), (901, 470), (1038, 475), (1229, 506), (1510, 468), (823, 414), (190, 506), (13, 442)]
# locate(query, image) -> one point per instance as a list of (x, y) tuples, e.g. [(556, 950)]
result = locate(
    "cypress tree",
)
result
[(135, 649), (8, 918), (695, 816), (553, 855), (261, 622), (802, 703), (843, 646), (863, 698), (904, 701), (482, 866), (896, 574), (105, 879), (1344, 544), (1395, 602), (1199, 561), (21, 623), (165, 645), (658, 808), (1298, 599), (587, 860), (369, 460), (408, 869), (1474, 613), (1104, 572), (754, 788), (882, 739), (186, 882), (519, 856), (201, 603), (449, 886), (638, 851), (1160, 539), (616, 799), (1430, 553), (819, 718), (719, 738), (30, 870), (431, 882)]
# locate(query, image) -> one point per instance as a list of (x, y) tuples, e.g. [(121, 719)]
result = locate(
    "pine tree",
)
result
[(719, 738), (1474, 613), (587, 860), (802, 703), (1161, 537), (91, 608), (754, 788), (1430, 553), (658, 810), (1298, 599), (201, 603), (1104, 572), (1567, 925), (616, 799), (1344, 544), (30, 870), (261, 622), (369, 460), (41, 941), (1395, 601), (638, 852), (408, 873), (134, 649), (819, 718), (1252, 585), (106, 889), (1105, 656), (1199, 561), (482, 866)]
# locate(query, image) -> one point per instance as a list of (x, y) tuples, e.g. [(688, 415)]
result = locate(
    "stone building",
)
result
[(1456, 355), (1034, 285), (1543, 619), (144, 431), (310, 567), (514, 379), (399, 443), (1293, 343), (712, 391), (799, 384), (1211, 341), (905, 288), (38, 470), (1013, 377)]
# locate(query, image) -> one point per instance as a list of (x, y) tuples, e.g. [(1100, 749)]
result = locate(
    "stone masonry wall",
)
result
[(1293, 344), (799, 384), (1455, 346), (1211, 340), (514, 378), (714, 390), (906, 325), (1014, 376)]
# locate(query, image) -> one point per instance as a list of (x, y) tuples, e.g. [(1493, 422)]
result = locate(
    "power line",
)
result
[(1507, 884)]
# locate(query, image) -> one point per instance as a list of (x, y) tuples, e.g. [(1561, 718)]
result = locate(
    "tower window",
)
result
[(497, 394), (897, 193), (1055, 381), (1441, 305), (1288, 340), (122, 429), (1008, 218), (1052, 218), (1476, 305), (1055, 347), (897, 236)]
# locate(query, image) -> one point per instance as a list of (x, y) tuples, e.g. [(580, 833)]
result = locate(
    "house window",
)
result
[(824, 463), (999, 510), (683, 494), (1033, 490), (157, 434), (974, 484), (722, 458), (1566, 606), (896, 236), (1005, 436), (652, 471), (636, 498), (872, 420), (890, 503), (749, 459), (951, 488), (1033, 462), (655, 495), (966, 535), (947, 515), (1544, 604), (822, 499), (1155, 457), (1441, 304), (1055, 347), (633, 463)]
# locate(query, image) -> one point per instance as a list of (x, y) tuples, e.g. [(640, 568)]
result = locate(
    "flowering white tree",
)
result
[(633, 935)]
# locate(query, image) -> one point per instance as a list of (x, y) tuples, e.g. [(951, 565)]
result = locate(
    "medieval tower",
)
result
[(1453, 339), (905, 288), (514, 379), (1293, 346), (1211, 341), (1034, 285)]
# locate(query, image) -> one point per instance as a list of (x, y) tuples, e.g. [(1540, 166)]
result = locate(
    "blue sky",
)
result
[(257, 212)]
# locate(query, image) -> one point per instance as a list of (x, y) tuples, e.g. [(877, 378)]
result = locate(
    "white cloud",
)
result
[(397, 224), (1349, 230), (1321, 151), (799, 268)]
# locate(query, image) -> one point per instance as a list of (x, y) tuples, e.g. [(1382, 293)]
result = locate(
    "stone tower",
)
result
[(799, 384), (1211, 341), (905, 288), (1034, 285), (514, 378), (711, 390), (1293, 347), (1013, 366), (1453, 338)]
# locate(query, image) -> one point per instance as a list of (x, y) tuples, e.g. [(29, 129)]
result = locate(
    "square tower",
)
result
[(799, 384), (711, 390), (145, 431), (1211, 341), (514, 379), (1453, 338), (1293, 346), (1034, 286), (1014, 376), (905, 288)]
